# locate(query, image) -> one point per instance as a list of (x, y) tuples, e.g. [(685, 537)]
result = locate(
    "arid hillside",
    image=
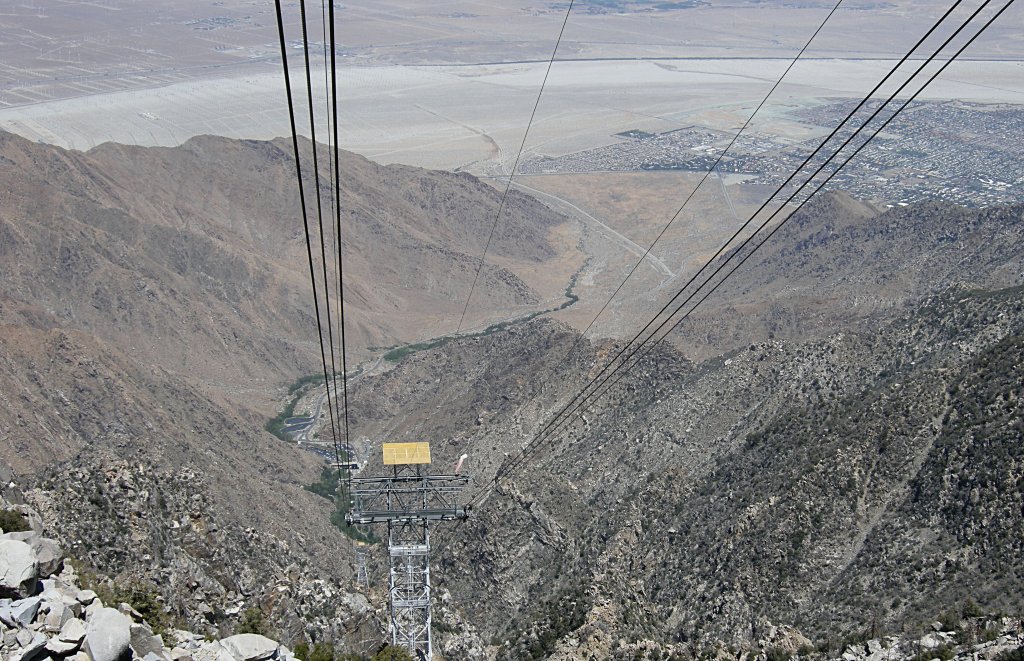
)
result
[(193, 258), (155, 303), (853, 466)]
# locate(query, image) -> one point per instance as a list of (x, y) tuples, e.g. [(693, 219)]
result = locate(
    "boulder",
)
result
[(6, 618), (73, 632), (93, 608), (250, 647), (932, 641), (73, 605), (19, 570), (85, 597), (23, 611), (35, 648), (143, 641), (57, 647), (108, 635), (24, 637), (49, 555), (58, 616), (212, 652), (130, 612)]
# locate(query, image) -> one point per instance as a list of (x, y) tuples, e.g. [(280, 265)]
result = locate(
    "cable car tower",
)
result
[(408, 500)]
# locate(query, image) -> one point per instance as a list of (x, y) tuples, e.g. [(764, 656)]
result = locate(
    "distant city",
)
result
[(949, 150)]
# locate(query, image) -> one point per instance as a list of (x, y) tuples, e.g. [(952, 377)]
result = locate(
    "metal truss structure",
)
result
[(408, 501)]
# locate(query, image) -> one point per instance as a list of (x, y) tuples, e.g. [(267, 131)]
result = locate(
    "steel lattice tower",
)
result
[(408, 501)]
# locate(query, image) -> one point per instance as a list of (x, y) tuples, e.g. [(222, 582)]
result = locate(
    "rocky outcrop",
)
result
[(19, 568), (107, 635), (61, 621)]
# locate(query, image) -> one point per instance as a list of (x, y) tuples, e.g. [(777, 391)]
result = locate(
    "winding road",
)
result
[(603, 229), (304, 436)]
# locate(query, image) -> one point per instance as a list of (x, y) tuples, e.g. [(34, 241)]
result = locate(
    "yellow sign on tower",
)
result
[(402, 454)]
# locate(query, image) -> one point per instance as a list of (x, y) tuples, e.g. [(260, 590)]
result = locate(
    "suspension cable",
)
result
[(302, 197), (582, 397), (341, 259), (515, 165), (513, 465)]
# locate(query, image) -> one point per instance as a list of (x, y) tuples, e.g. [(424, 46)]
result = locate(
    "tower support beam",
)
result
[(408, 501)]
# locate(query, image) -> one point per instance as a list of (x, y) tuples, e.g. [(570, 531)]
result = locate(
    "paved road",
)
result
[(728, 198), (608, 232), (321, 401)]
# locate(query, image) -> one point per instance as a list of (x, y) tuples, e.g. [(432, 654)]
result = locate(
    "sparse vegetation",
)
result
[(777, 654), (1012, 655), (550, 622), (13, 521), (396, 354), (329, 486), (392, 653), (944, 653), (140, 595), (276, 424), (253, 621)]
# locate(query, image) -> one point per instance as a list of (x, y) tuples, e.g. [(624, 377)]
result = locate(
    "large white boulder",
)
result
[(19, 569), (49, 555), (73, 632), (107, 635), (24, 611), (250, 647)]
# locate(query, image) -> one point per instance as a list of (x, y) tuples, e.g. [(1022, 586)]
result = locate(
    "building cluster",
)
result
[(950, 150), (690, 148)]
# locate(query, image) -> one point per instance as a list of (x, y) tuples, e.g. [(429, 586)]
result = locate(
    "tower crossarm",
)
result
[(407, 498)]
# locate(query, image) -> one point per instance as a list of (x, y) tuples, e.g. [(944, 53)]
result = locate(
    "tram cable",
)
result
[(513, 465), (341, 262), (515, 165), (302, 201), (553, 427), (334, 198), (319, 209)]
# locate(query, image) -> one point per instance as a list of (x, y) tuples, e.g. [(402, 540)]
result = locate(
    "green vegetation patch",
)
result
[(297, 390), (396, 354), (253, 621), (13, 521), (140, 595), (324, 652), (329, 486)]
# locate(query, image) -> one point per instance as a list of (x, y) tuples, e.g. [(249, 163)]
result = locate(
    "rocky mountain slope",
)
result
[(193, 257), (861, 473), (838, 262), (49, 610), (154, 303), (834, 444)]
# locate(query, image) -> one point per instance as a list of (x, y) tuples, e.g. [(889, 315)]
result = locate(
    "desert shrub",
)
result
[(322, 652), (392, 653), (13, 521), (945, 653), (253, 622)]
